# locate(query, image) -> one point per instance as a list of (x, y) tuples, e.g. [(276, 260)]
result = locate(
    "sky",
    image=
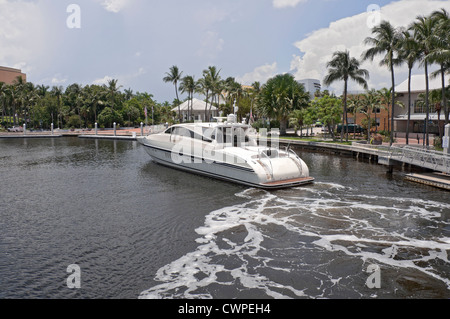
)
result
[(59, 42)]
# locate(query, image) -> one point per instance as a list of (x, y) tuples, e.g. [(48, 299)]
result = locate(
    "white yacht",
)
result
[(227, 151)]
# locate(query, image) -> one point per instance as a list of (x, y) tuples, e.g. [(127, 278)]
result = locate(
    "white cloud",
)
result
[(122, 79), (114, 5), (58, 80), (102, 81), (260, 74), (280, 4), (22, 35), (211, 45), (349, 33)]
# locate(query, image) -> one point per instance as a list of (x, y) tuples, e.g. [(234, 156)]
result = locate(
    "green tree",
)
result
[(409, 53), (328, 109), (343, 67), (174, 76), (280, 96), (387, 42), (188, 85), (369, 103), (425, 34), (441, 52)]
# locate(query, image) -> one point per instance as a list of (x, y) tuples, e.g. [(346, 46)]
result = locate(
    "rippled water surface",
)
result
[(140, 230)]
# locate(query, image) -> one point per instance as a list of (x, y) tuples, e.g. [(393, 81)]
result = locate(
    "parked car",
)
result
[(15, 129), (352, 128)]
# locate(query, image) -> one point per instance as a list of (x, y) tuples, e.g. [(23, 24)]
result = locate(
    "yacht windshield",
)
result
[(233, 136)]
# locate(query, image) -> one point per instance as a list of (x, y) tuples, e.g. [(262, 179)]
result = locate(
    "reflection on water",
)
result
[(137, 229)]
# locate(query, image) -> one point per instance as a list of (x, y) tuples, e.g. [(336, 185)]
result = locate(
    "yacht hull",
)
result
[(240, 173)]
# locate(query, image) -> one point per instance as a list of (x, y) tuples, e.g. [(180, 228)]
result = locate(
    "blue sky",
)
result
[(137, 41)]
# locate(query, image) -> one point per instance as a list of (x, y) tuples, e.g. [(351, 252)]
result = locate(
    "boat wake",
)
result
[(314, 242)]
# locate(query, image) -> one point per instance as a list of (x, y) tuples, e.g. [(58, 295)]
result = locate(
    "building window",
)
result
[(419, 107)]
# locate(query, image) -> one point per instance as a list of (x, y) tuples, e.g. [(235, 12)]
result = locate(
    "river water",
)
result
[(139, 230)]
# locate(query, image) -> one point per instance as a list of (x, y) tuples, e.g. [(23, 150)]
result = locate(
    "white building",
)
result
[(418, 111), (197, 110), (311, 86)]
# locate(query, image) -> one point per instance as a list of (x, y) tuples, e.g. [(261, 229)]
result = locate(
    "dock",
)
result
[(110, 137), (435, 165), (17, 136), (438, 180)]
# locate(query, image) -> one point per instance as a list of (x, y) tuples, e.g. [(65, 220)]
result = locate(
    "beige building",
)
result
[(9, 75), (418, 112)]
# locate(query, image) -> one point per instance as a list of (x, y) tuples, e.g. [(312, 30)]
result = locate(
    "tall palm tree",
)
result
[(174, 76), (425, 33), (409, 53), (435, 100), (214, 83), (230, 87), (57, 92), (385, 95), (386, 41), (441, 53), (343, 67), (113, 90), (20, 89), (370, 102), (256, 90), (187, 85), (353, 106), (3, 97)]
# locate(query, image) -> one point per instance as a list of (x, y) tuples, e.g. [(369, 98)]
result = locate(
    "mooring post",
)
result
[(390, 169), (142, 129), (52, 127), (446, 140), (96, 128), (24, 129)]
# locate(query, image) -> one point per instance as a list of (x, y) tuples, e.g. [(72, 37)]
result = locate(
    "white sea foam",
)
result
[(324, 219)]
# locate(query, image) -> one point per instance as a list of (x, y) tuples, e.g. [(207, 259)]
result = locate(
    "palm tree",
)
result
[(441, 53), (386, 102), (174, 76), (57, 92), (187, 85), (256, 90), (113, 90), (353, 106), (3, 97), (409, 53), (214, 84), (387, 41), (436, 99), (369, 102), (343, 67), (425, 33), (280, 96), (29, 97)]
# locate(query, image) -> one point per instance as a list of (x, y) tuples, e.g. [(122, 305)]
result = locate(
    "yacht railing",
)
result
[(430, 159), (270, 162)]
